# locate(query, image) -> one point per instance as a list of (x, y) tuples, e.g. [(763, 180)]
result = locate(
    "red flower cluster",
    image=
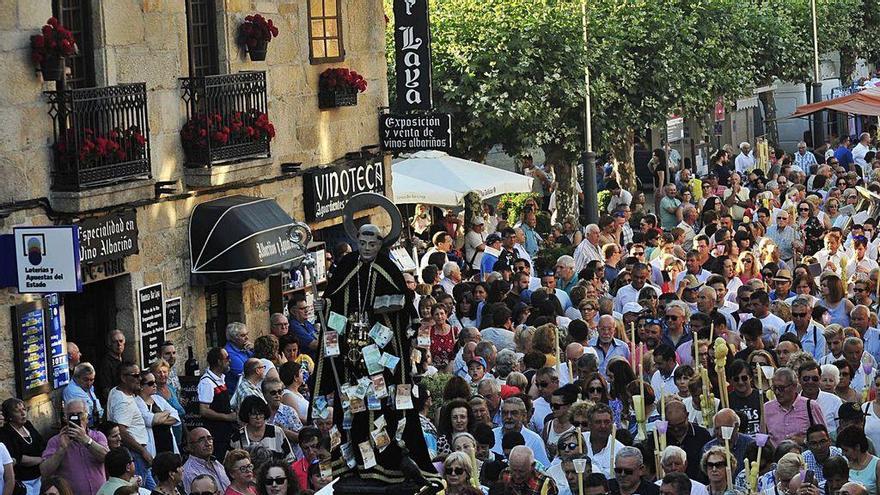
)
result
[(342, 79), (256, 29), (55, 41), (116, 146), (200, 130)]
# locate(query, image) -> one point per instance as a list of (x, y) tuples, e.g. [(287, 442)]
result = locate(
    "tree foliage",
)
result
[(511, 72)]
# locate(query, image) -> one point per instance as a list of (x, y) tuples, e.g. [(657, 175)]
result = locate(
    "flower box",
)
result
[(333, 98)]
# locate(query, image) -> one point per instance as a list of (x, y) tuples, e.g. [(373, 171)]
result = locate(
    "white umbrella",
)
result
[(435, 178)]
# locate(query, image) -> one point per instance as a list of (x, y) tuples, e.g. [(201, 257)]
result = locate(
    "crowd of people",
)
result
[(726, 342)]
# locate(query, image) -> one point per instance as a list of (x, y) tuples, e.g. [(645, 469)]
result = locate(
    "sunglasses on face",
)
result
[(672, 317), (798, 315), (740, 378), (569, 446), (457, 471), (810, 378), (716, 465), (597, 390), (275, 481), (623, 471)]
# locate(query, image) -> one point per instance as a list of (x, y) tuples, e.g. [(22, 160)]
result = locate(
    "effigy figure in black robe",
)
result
[(363, 370)]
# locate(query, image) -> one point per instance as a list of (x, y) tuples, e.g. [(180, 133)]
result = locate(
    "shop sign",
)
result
[(674, 129), (31, 356), (415, 132), (173, 314), (326, 190), (412, 52), (151, 318), (110, 237), (47, 259)]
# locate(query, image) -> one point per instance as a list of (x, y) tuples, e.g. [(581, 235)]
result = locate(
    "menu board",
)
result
[(151, 318), (31, 353), (173, 314), (57, 343)]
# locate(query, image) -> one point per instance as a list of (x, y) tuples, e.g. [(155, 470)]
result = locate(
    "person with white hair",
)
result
[(451, 276), (566, 276), (804, 159), (674, 460), (745, 160), (589, 248)]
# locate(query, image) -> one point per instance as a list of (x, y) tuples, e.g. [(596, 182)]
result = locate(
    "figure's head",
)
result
[(369, 242)]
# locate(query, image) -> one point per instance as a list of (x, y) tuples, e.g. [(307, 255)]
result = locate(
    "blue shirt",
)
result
[(532, 240), (813, 340), (237, 358), (305, 334), (844, 156), (486, 264), (74, 391), (872, 342), (738, 449), (810, 461), (618, 348), (783, 239)]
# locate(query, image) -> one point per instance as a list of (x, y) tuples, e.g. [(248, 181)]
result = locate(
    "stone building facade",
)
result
[(157, 43)]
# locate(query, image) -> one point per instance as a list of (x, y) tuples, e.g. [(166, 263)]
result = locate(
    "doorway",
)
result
[(89, 316)]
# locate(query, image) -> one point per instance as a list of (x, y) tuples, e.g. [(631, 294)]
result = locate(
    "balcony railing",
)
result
[(224, 117), (102, 136)]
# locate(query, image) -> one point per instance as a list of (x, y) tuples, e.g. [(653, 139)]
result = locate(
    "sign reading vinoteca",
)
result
[(109, 237), (415, 132), (326, 190)]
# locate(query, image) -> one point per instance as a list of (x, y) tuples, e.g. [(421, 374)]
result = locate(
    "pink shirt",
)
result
[(79, 467), (782, 424)]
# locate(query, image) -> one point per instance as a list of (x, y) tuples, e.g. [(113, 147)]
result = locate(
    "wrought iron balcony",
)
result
[(102, 136), (227, 119)]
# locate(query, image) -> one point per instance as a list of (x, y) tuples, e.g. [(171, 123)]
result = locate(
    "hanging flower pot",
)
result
[(254, 35), (51, 47), (258, 51), (53, 68)]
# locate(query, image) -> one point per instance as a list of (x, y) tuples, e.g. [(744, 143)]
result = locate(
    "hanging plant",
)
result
[(338, 87), (254, 35), (51, 47)]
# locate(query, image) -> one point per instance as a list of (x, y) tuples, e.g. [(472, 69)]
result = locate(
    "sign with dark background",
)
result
[(109, 237), (412, 52), (31, 355), (415, 132), (173, 314), (151, 319), (326, 190)]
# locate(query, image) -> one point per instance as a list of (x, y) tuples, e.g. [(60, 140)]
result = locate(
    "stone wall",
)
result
[(146, 41)]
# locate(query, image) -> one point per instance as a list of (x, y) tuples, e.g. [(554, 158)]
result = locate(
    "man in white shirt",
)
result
[(662, 381), (688, 220), (597, 441), (451, 276), (475, 243), (630, 293), (442, 243), (589, 248), (123, 410), (693, 267), (619, 197), (860, 150), (745, 161), (513, 415), (759, 303), (547, 381)]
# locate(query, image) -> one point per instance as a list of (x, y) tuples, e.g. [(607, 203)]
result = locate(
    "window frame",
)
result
[(339, 31), (85, 41), (213, 50)]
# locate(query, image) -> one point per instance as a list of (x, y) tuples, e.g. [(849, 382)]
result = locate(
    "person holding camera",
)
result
[(76, 453)]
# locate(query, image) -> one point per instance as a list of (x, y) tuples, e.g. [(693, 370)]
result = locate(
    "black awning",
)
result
[(237, 238)]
